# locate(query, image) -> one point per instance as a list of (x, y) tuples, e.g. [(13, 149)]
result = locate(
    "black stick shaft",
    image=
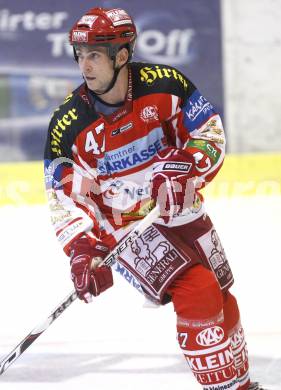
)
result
[(36, 332)]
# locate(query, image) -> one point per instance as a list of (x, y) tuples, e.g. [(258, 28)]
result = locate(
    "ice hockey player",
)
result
[(131, 136)]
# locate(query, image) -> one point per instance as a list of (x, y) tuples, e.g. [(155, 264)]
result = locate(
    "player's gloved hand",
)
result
[(173, 182), (88, 278)]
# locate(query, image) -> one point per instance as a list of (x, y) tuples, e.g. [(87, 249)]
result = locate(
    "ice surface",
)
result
[(115, 343)]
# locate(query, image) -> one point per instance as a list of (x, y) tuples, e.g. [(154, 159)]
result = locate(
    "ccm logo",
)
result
[(210, 336)]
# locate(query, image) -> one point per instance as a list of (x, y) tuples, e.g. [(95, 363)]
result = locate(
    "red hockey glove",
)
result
[(88, 278), (173, 182)]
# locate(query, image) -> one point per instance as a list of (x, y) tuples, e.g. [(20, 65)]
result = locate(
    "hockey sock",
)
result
[(237, 339), (208, 353), (202, 334)]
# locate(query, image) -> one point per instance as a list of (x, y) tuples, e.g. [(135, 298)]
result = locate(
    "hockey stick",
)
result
[(110, 260)]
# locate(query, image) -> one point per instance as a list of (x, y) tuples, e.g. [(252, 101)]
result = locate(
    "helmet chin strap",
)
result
[(113, 80)]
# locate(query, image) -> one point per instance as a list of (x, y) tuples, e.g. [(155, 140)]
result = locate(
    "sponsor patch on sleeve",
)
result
[(209, 149), (53, 174), (197, 110)]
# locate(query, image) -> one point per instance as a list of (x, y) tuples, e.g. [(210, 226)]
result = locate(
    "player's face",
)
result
[(96, 67)]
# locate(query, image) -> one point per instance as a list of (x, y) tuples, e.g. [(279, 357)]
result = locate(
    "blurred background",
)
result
[(231, 49)]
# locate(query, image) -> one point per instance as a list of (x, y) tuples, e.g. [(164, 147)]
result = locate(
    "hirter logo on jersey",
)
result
[(149, 114)]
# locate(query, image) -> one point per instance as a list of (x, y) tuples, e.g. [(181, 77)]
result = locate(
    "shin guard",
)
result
[(208, 352), (202, 333)]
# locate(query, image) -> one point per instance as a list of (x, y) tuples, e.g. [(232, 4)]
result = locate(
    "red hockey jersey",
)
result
[(98, 167)]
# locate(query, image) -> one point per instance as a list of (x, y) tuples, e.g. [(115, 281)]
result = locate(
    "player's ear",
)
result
[(122, 56)]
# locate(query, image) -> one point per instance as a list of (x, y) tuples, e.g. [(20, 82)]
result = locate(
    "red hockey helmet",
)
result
[(111, 27)]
